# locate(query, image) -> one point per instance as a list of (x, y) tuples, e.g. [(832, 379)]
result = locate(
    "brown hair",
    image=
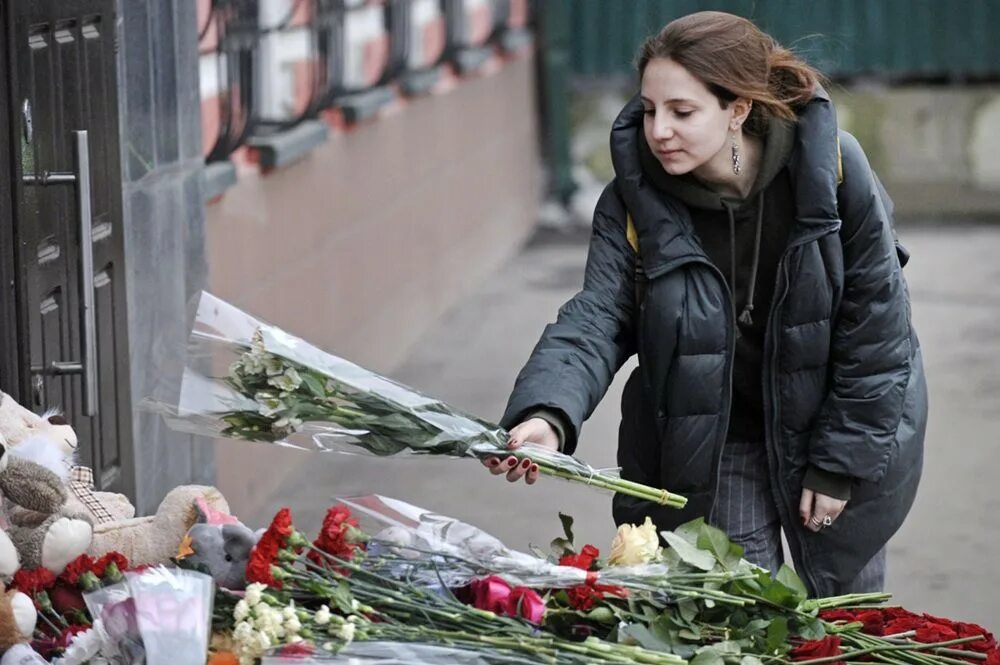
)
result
[(734, 58)]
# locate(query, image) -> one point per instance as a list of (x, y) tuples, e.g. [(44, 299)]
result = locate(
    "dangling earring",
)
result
[(737, 167)]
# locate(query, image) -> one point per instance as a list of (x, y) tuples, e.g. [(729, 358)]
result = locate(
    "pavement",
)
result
[(943, 560)]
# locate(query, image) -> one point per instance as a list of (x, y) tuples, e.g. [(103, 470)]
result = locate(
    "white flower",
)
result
[(263, 642), (254, 593), (273, 365), (243, 632), (355, 604), (293, 625), (347, 632), (241, 611), (288, 612), (295, 639), (322, 616), (634, 545), (83, 648), (287, 381), (268, 405)]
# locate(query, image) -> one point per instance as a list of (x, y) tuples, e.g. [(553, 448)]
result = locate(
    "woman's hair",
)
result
[(734, 58)]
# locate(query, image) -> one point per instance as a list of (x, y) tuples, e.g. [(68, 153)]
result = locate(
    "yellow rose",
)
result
[(634, 545)]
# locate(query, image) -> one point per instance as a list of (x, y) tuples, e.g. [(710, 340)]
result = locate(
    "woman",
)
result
[(746, 252)]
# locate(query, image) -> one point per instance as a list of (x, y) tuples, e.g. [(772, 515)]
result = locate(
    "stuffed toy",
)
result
[(219, 545), (17, 624), (50, 441), (155, 539)]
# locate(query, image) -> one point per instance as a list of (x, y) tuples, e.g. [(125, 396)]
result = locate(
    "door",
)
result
[(64, 246)]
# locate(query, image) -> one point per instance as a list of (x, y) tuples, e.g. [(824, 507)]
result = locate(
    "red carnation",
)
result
[(339, 536), (34, 581), (282, 524), (295, 651), (993, 658), (584, 560), (262, 556), (78, 566), (582, 597), (117, 558), (827, 647), (66, 598)]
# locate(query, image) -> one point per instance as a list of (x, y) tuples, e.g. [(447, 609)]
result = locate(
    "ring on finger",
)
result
[(815, 520), (827, 521)]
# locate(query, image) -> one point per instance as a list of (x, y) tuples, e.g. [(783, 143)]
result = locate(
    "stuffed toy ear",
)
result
[(209, 515)]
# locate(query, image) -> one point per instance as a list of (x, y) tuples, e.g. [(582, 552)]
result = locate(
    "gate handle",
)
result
[(89, 361)]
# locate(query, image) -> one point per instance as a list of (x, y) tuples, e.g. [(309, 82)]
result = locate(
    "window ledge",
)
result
[(469, 60), (216, 178), (361, 106), (516, 40), (420, 82), (286, 147)]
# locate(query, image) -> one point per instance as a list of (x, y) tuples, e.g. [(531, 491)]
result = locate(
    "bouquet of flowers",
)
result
[(248, 380)]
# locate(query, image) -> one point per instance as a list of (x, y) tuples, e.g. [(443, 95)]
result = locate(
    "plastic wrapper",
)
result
[(245, 379), (411, 537), (173, 609)]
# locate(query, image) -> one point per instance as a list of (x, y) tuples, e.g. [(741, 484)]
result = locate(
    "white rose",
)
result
[(634, 545)]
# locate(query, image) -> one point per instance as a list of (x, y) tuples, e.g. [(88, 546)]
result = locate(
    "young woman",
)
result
[(746, 252)]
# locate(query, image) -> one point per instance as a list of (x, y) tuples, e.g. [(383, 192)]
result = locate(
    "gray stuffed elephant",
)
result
[(221, 550)]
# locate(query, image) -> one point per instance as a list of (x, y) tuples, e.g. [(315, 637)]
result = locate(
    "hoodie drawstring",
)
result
[(746, 316)]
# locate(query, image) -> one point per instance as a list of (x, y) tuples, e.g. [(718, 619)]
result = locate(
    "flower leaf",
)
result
[(689, 554), (777, 634), (314, 385), (567, 525)]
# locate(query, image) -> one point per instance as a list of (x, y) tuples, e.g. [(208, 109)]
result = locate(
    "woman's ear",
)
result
[(741, 110)]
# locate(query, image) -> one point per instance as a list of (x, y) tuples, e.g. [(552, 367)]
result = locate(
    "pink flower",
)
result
[(527, 604), (490, 594)]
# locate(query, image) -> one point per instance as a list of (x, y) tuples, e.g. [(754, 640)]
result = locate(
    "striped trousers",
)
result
[(746, 511)]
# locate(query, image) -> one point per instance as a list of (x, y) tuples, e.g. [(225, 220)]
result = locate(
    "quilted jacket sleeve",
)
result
[(871, 346), (576, 358)]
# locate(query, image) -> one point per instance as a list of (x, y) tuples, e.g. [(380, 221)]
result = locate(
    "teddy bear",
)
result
[(17, 625), (142, 540)]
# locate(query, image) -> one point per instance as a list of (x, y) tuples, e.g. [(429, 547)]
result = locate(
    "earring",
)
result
[(737, 166)]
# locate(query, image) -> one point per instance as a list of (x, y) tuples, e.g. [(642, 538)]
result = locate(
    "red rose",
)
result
[(66, 598), (31, 582), (874, 623), (584, 560), (825, 648), (993, 657), (985, 645), (527, 604), (117, 558), (891, 613), (78, 566), (837, 615), (947, 623), (930, 633), (902, 625)]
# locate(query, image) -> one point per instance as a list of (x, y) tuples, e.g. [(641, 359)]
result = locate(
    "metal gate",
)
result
[(64, 309)]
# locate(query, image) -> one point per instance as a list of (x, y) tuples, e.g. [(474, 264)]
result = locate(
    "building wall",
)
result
[(377, 232)]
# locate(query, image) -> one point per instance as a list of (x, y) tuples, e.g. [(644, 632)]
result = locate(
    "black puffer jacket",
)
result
[(843, 381)]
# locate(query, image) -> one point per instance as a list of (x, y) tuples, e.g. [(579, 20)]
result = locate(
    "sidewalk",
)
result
[(943, 560)]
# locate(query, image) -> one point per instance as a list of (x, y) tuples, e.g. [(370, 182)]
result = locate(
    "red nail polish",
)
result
[(493, 462), (534, 468), (526, 463), (512, 462)]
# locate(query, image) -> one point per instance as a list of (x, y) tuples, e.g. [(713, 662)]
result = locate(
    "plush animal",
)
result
[(155, 539), (17, 624), (43, 530), (219, 544)]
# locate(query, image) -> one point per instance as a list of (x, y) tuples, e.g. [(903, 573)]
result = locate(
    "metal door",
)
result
[(65, 241)]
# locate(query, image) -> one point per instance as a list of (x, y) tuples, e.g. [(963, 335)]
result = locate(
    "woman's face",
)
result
[(684, 124)]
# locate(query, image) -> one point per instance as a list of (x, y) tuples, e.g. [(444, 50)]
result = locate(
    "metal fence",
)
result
[(929, 40)]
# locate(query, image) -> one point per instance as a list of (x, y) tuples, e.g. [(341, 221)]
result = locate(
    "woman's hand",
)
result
[(533, 430), (816, 508)]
